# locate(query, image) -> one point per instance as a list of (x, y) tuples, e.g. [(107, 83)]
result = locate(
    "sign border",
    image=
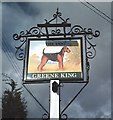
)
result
[(71, 80)]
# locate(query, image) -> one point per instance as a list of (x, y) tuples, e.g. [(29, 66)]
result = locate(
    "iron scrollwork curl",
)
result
[(77, 29), (19, 53), (20, 48), (97, 33), (45, 116), (91, 51), (57, 31), (35, 31), (64, 117), (92, 34)]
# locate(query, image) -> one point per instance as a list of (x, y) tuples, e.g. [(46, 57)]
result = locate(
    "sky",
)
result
[(54, 0), (95, 100)]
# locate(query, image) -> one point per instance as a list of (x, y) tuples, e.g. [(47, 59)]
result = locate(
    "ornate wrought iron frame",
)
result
[(51, 30), (59, 30)]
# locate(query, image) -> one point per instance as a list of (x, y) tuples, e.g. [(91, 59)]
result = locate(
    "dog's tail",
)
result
[(43, 51)]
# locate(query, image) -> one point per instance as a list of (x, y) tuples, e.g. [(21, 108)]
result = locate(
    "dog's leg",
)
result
[(60, 62), (44, 60)]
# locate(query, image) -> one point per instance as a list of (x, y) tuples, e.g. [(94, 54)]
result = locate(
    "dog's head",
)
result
[(66, 49)]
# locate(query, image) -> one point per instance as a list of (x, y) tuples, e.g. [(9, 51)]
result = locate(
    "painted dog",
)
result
[(54, 57)]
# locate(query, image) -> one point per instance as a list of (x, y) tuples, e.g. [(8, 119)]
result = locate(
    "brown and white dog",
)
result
[(54, 57)]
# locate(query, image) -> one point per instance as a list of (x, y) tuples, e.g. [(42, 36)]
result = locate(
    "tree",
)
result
[(13, 105)]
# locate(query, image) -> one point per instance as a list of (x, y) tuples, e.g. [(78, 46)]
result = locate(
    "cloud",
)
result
[(25, 8)]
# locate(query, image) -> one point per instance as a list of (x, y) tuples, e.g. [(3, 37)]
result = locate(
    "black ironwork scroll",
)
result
[(88, 35), (57, 29), (20, 48)]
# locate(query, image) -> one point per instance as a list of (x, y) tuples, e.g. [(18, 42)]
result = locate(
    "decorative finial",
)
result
[(57, 11)]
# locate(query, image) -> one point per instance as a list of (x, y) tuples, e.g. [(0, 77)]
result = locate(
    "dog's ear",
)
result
[(65, 47)]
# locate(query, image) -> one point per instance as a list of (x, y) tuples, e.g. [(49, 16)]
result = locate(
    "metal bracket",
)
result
[(72, 100), (46, 115)]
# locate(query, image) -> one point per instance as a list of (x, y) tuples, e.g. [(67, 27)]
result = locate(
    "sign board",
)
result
[(54, 60)]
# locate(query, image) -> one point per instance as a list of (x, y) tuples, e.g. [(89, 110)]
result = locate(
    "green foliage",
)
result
[(13, 105)]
